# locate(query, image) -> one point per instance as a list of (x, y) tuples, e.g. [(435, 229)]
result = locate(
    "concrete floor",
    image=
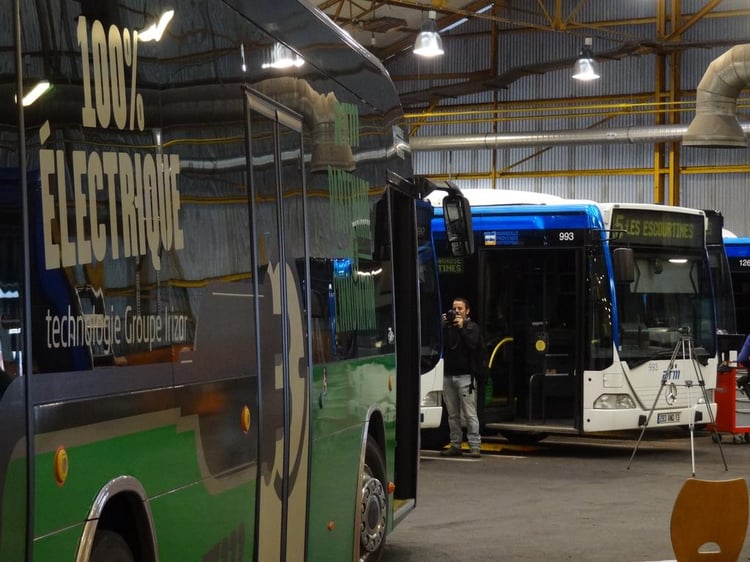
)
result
[(568, 499)]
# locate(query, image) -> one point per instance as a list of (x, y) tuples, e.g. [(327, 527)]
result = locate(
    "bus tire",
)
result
[(373, 507), (110, 547)]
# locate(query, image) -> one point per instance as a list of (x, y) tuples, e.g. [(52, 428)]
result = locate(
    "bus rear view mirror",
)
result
[(458, 227), (623, 265)]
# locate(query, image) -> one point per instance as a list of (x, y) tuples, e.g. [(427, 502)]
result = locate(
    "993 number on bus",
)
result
[(566, 236)]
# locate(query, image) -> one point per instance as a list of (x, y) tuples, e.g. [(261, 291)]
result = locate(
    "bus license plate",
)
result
[(668, 417)]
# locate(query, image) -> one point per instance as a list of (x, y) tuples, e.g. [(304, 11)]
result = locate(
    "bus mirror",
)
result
[(624, 265), (458, 228)]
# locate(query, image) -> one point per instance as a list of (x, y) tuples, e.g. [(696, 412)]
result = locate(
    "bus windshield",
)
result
[(738, 256), (670, 298)]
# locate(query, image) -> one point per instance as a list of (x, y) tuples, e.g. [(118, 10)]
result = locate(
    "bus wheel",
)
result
[(110, 547), (373, 508), (524, 437)]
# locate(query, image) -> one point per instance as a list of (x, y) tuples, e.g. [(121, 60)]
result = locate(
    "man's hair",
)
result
[(463, 300)]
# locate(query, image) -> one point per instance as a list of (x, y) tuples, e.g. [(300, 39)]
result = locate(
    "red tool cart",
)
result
[(733, 406)]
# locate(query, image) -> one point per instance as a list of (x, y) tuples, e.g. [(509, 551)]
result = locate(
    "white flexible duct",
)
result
[(319, 113), (715, 123)]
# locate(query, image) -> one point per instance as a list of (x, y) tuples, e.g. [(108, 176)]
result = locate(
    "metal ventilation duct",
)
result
[(715, 123), (628, 135)]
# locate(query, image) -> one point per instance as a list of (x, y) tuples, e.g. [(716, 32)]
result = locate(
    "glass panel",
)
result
[(429, 292), (278, 189), (670, 298), (726, 321), (599, 316), (740, 266), (295, 344), (271, 421), (532, 297)]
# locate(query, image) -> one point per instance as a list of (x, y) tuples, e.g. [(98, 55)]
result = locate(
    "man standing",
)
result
[(461, 337)]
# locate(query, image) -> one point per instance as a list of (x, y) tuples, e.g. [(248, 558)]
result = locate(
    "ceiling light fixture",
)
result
[(156, 30), (36, 92), (585, 67), (282, 56), (429, 43)]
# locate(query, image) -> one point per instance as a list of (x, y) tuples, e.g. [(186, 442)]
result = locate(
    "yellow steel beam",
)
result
[(417, 126), (606, 25), (695, 18), (661, 18), (545, 13), (659, 148), (328, 3), (469, 11), (611, 100), (667, 182), (488, 117), (495, 42), (556, 20), (735, 169), (591, 172), (574, 12), (453, 14), (674, 147), (673, 155)]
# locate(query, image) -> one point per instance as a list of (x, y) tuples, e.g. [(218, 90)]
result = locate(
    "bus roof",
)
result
[(551, 214), (485, 197), (737, 247), (607, 207), (546, 216)]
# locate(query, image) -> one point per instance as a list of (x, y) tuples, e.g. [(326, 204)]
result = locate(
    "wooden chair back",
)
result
[(709, 520)]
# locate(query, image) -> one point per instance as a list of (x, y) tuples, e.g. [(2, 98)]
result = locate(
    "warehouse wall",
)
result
[(623, 97)]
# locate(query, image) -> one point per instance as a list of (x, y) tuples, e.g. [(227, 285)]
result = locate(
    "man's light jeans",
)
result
[(462, 409)]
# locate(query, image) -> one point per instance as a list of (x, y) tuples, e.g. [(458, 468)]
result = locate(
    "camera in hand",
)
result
[(450, 316)]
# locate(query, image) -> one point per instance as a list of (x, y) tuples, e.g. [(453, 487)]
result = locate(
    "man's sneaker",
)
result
[(451, 452), (475, 452)]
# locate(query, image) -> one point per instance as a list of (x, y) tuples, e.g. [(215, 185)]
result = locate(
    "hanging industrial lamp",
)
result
[(585, 67), (429, 43), (281, 56)]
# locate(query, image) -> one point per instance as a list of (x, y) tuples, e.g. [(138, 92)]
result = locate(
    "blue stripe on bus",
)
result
[(530, 217), (737, 247)]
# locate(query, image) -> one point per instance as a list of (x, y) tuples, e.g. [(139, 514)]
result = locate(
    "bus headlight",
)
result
[(614, 402), (432, 400)]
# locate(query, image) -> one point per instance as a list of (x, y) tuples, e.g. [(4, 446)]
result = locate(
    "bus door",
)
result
[(531, 317), (278, 228)]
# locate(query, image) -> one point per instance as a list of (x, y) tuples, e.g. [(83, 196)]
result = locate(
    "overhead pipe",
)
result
[(627, 135), (715, 123)]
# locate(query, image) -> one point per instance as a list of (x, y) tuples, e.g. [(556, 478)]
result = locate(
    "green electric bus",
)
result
[(210, 344)]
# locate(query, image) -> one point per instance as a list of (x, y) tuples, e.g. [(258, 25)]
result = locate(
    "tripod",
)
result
[(684, 345)]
